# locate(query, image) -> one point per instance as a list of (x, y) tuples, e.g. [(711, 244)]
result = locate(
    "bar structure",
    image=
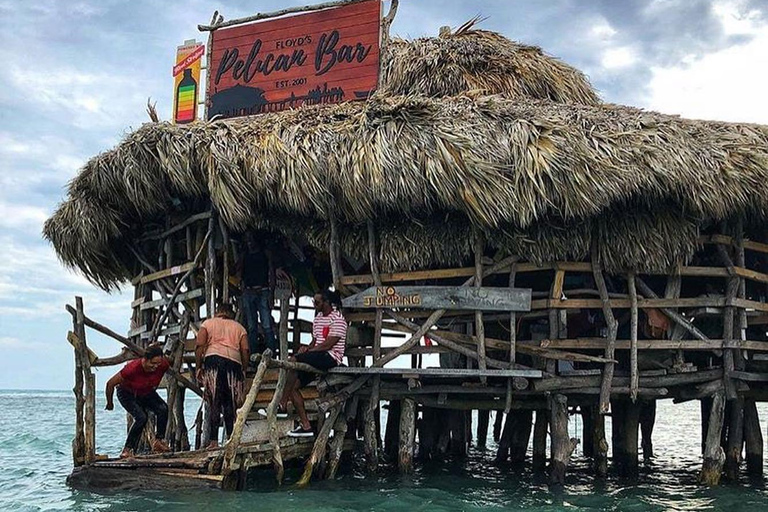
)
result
[(523, 253)]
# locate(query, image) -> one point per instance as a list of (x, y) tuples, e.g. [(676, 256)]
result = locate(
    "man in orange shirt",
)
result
[(221, 354)]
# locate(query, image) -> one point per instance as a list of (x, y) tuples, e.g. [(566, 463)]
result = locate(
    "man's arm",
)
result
[(330, 341), (245, 353), (200, 346), (116, 380)]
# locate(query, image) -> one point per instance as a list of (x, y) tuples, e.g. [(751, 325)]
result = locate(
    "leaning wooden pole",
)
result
[(318, 450), (605, 386), (714, 457), (274, 434), (230, 450), (370, 428)]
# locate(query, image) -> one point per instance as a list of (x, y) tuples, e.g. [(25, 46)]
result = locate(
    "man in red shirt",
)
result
[(137, 392)]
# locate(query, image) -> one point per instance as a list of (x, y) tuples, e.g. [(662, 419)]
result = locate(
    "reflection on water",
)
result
[(36, 432)]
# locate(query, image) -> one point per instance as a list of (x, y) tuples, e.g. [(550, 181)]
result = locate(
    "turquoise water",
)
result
[(36, 432)]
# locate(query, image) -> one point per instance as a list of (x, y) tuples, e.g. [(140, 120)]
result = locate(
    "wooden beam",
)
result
[(159, 235), (193, 294), (434, 372), (168, 272)]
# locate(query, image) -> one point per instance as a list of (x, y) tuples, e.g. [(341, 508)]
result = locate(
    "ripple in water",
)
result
[(36, 431)]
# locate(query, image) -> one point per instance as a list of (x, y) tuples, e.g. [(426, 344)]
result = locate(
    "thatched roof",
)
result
[(540, 165)]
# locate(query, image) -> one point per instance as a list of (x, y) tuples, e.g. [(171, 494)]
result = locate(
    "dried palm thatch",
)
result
[(540, 178)]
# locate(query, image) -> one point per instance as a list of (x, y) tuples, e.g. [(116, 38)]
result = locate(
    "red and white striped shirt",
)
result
[(324, 327)]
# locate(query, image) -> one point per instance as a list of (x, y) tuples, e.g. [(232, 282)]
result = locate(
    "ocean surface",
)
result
[(36, 430)]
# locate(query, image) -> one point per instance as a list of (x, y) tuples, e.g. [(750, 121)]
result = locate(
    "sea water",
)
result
[(36, 430)]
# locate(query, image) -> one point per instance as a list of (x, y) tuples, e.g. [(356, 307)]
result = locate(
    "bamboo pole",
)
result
[(605, 388), (230, 449), (633, 369)]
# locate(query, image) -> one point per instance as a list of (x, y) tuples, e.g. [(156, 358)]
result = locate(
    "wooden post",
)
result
[(498, 423), (562, 446), (735, 439), (407, 436), (483, 417), (392, 431), (210, 269), (335, 253), (274, 434), (729, 312), (512, 343), (540, 441), (89, 382), (753, 438), (605, 386), (370, 428), (599, 442), (647, 421), (337, 446), (479, 325), (230, 450), (318, 450), (714, 457), (521, 435), (626, 419), (224, 262), (78, 443), (634, 379), (505, 441), (587, 427)]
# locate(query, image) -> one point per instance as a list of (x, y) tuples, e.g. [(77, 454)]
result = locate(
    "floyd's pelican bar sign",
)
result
[(327, 56)]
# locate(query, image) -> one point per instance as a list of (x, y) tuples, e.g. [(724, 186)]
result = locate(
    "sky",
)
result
[(76, 75)]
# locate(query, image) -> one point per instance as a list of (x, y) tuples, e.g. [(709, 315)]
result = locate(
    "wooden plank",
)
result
[(446, 273), (442, 297), (541, 304), (749, 376), (168, 272), (199, 292), (178, 227), (138, 330), (727, 240), (435, 372)]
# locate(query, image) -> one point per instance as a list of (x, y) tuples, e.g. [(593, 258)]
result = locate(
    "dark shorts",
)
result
[(320, 360)]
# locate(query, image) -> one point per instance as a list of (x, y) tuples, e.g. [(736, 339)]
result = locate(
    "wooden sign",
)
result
[(186, 81), (442, 297), (327, 56)]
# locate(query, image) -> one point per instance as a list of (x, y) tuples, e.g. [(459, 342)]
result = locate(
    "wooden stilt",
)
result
[(483, 418), (599, 442), (521, 436), (647, 421), (634, 379), (274, 434), (626, 419), (735, 439), (562, 446), (540, 441), (370, 428), (753, 438), (587, 426), (479, 325), (714, 457), (318, 450), (610, 320), (502, 451), (498, 423), (407, 436), (337, 446), (392, 431)]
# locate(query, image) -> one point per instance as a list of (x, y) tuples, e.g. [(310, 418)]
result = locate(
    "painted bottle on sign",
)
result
[(186, 97)]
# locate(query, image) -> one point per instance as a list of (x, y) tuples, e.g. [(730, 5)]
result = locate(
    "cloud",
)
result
[(8, 343), (21, 216)]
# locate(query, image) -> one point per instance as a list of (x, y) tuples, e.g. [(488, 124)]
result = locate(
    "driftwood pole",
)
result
[(599, 442), (647, 421), (78, 443), (562, 446), (87, 388), (753, 438), (318, 450), (512, 340), (337, 446), (714, 457), (407, 436), (735, 439), (370, 427), (605, 386), (479, 325), (634, 379), (540, 440), (274, 434), (626, 420), (210, 268), (230, 450)]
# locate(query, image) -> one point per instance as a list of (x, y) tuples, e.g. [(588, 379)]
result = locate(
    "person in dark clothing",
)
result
[(258, 282), (137, 392)]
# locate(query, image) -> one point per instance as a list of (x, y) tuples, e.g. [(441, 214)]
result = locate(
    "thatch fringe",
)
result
[(541, 178)]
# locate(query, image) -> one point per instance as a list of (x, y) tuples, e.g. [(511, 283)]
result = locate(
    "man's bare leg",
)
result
[(298, 403)]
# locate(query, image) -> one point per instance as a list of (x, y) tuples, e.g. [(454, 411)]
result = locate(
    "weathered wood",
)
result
[(230, 450), (677, 379), (540, 440), (610, 320), (714, 457), (498, 423), (599, 442), (159, 235), (479, 404), (210, 269), (318, 450), (273, 14), (386, 22), (561, 445), (625, 423), (674, 316), (634, 372), (753, 438), (434, 372), (392, 431), (192, 294), (483, 419), (274, 432), (371, 436), (442, 297), (334, 252), (224, 261), (479, 324), (337, 446), (521, 435), (412, 341), (647, 422), (407, 436), (735, 439)]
